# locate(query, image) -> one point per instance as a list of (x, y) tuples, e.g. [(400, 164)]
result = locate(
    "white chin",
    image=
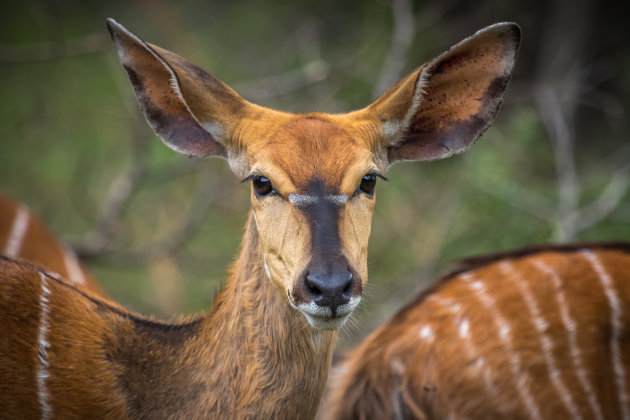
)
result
[(326, 323), (321, 317)]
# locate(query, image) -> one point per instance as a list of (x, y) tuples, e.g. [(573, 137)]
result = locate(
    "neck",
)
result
[(253, 354)]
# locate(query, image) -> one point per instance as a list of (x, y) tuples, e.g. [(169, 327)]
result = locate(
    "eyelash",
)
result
[(261, 184), (368, 184)]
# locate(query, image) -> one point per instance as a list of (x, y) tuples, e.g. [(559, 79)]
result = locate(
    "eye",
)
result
[(262, 186), (368, 182)]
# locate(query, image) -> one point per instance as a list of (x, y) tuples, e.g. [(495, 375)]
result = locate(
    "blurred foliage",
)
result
[(72, 139)]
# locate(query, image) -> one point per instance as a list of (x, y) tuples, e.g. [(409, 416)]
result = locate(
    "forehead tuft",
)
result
[(311, 149)]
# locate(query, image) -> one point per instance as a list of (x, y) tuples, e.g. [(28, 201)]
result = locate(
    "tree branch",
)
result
[(562, 140), (403, 31), (607, 201)]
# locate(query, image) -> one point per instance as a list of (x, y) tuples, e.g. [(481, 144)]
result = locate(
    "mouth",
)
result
[(322, 318)]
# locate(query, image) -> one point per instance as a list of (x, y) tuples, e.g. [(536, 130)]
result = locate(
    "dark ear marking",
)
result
[(444, 106), (190, 110), (155, 84)]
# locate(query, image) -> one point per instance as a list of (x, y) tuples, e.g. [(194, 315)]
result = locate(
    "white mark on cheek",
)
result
[(255, 219), (266, 266)]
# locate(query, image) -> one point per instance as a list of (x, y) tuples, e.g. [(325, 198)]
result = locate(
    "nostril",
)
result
[(329, 289), (348, 287), (312, 288)]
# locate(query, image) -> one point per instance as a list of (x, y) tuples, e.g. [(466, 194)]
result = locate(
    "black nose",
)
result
[(331, 290)]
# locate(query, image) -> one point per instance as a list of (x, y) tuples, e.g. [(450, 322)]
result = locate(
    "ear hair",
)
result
[(192, 112), (445, 105)]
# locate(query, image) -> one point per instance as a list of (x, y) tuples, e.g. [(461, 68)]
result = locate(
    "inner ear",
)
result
[(192, 111), (157, 88), (461, 93), (444, 106)]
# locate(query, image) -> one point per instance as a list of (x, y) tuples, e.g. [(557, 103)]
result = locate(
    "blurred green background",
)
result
[(160, 230)]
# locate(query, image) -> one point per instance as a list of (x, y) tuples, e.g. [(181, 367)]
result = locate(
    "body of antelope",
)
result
[(533, 334), (23, 235), (264, 349)]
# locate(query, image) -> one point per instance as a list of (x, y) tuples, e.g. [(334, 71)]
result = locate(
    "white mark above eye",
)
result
[(301, 200), (340, 199)]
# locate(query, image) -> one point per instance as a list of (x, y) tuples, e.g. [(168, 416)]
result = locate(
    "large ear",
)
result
[(444, 106), (193, 112)]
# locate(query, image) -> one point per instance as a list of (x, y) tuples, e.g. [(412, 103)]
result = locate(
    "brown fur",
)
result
[(394, 373), (259, 353), (40, 246), (334, 151), (251, 357), (310, 149)]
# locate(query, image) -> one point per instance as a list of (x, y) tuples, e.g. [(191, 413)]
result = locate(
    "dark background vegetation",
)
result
[(160, 230)]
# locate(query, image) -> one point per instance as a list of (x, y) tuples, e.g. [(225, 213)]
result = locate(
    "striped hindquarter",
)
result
[(24, 235), (44, 343), (264, 350), (539, 334)]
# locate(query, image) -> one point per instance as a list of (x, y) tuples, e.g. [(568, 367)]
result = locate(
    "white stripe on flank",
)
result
[(17, 233), (469, 346), (615, 320), (545, 340), (505, 334), (464, 330), (42, 352), (426, 333), (75, 273), (571, 328)]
